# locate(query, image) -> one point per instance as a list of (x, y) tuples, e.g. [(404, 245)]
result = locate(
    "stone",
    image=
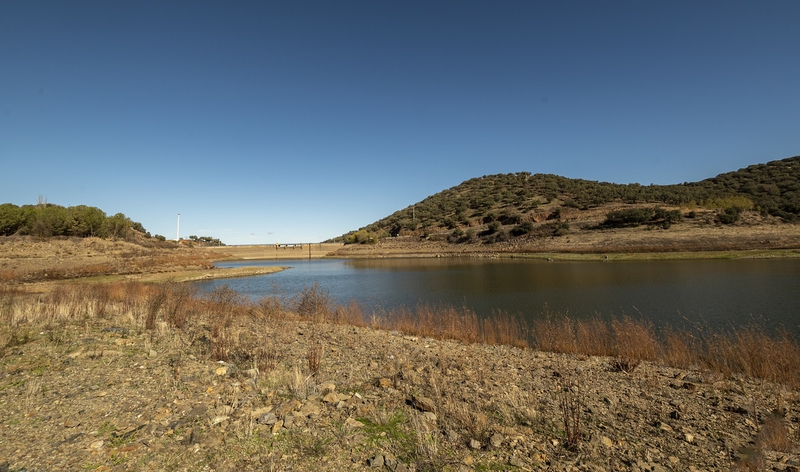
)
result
[(221, 371), (475, 444), (384, 382), (422, 403), (353, 423), (606, 441), (277, 427), (218, 419), (689, 437), (430, 418), (330, 397), (310, 408), (288, 421), (496, 440), (287, 407), (267, 418), (375, 461), (327, 387)]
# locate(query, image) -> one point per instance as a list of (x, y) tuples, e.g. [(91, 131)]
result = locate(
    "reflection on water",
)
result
[(716, 292)]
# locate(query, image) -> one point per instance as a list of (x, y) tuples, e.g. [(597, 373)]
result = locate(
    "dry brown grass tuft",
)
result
[(594, 337), (270, 308), (313, 303), (555, 334), (679, 348), (634, 342), (504, 328), (8, 301), (752, 352), (774, 435), (349, 314), (301, 385)]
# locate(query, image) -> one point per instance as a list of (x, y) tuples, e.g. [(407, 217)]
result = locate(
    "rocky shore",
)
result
[(106, 394)]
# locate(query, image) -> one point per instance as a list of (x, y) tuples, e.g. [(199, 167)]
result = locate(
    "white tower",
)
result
[(178, 234)]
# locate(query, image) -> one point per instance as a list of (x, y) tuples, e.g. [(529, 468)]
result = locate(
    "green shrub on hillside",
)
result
[(628, 217), (522, 228)]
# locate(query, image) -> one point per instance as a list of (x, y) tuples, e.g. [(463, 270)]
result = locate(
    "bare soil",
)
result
[(42, 263)]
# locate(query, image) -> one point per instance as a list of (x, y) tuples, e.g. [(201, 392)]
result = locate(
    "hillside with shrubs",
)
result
[(503, 207)]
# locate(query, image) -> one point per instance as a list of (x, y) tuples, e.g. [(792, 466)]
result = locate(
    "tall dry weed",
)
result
[(555, 333), (634, 342), (8, 301), (301, 385), (594, 337), (774, 435), (634, 339), (313, 303), (270, 308), (570, 402), (505, 328), (178, 303), (349, 314), (679, 348)]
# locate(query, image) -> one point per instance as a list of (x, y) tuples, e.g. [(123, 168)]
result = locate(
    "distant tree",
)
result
[(136, 226), (628, 217), (47, 219), (86, 221), (117, 226), (11, 219)]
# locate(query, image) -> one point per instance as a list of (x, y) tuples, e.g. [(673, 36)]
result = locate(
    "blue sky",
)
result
[(298, 121)]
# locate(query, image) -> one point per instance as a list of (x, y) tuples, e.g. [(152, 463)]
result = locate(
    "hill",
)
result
[(498, 210)]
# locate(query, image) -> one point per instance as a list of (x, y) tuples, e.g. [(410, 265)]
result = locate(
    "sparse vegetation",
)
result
[(523, 200), (445, 406)]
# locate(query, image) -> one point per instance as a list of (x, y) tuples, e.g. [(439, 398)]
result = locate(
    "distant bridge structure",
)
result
[(278, 250), (289, 245)]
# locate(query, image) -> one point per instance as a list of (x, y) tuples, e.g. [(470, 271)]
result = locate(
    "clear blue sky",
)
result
[(298, 121)]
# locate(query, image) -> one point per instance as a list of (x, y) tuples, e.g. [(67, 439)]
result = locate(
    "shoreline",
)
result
[(180, 276), (582, 256)]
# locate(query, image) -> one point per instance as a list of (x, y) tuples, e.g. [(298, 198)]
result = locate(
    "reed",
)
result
[(747, 351)]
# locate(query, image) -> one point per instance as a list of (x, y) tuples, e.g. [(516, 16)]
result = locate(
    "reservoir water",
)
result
[(717, 293)]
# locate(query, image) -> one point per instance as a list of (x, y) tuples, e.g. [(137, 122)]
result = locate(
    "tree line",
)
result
[(47, 219)]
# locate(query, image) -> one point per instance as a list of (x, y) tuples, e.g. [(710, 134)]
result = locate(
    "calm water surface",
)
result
[(719, 293)]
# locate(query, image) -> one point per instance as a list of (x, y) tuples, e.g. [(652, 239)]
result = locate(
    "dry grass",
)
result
[(748, 351), (570, 404), (775, 435)]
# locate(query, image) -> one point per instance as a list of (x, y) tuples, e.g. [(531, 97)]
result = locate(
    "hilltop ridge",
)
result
[(754, 207)]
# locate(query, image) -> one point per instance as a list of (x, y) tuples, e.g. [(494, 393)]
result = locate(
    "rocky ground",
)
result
[(106, 394)]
